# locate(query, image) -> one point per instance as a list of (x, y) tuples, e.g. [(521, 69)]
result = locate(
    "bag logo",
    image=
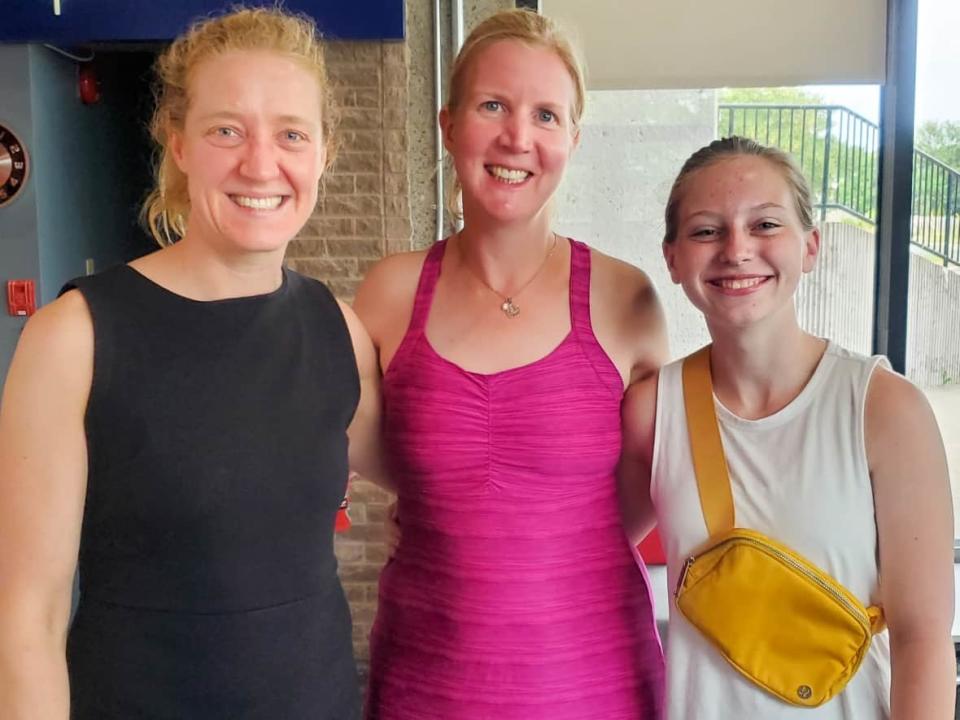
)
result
[(804, 692)]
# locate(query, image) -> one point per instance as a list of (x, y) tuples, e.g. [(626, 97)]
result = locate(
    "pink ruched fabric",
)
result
[(514, 594)]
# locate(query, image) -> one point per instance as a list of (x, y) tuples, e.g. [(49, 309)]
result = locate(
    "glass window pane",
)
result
[(933, 325)]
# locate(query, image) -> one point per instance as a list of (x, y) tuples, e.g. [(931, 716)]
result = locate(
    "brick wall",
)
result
[(362, 215)]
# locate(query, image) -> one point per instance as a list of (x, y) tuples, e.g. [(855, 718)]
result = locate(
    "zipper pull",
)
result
[(683, 575)]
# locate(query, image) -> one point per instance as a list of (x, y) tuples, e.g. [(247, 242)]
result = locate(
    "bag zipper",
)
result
[(783, 557)]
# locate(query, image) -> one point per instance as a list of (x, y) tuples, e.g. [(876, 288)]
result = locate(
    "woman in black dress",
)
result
[(178, 427)]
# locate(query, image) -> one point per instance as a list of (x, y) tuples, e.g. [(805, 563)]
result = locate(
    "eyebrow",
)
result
[(229, 115), (710, 213)]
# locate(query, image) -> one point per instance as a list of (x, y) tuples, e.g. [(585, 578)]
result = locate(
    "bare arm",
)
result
[(915, 530), (43, 464), (627, 318), (636, 460), (366, 452), (384, 302)]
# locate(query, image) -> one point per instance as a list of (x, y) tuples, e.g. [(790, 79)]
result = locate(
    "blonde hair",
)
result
[(728, 148), (522, 26), (166, 208)]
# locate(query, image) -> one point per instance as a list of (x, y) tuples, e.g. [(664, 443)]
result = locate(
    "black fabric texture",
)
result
[(217, 459)]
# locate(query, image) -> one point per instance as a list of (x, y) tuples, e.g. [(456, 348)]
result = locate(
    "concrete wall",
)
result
[(616, 187), (836, 299), (933, 324)]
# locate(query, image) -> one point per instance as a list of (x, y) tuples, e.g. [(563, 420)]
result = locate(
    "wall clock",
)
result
[(14, 165)]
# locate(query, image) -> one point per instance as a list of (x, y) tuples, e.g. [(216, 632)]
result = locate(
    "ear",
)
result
[(445, 118), (576, 138), (322, 159), (669, 254), (811, 249), (175, 145)]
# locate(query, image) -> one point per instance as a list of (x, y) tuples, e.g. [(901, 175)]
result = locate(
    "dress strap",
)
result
[(580, 288), (425, 287)]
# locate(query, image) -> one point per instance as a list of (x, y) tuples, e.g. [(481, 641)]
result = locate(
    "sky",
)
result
[(938, 69)]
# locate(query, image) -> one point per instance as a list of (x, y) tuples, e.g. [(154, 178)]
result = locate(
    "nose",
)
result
[(516, 135), (259, 161), (738, 246)]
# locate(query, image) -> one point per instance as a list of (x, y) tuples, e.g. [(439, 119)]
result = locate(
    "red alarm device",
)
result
[(21, 297), (342, 523)]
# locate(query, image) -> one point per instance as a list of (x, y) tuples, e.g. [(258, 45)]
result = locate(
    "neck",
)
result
[(204, 271), (505, 256), (759, 370)]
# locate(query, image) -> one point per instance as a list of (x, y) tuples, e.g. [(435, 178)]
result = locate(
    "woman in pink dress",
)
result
[(506, 349)]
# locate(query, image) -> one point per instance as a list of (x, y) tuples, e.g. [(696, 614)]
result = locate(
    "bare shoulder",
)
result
[(627, 317), (60, 330), (622, 280), (892, 400), (898, 421), (385, 297)]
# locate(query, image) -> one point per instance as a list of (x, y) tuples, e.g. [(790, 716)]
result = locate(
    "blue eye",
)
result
[(294, 136), (547, 116), (492, 105), (224, 135)]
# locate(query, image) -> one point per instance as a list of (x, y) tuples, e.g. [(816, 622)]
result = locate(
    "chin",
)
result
[(261, 242), (512, 213)]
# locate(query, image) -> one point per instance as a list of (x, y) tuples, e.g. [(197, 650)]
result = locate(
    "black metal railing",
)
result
[(837, 149), (936, 208)]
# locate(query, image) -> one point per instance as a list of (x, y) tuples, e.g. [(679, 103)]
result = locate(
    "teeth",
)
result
[(260, 203), (739, 284), (508, 175)]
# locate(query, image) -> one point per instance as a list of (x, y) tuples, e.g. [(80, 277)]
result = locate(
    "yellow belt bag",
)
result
[(778, 619)]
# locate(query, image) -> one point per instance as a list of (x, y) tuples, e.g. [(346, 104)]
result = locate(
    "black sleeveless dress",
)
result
[(216, 434)]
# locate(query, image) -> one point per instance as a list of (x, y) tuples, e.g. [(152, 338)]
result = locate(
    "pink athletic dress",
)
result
[(514, 594)]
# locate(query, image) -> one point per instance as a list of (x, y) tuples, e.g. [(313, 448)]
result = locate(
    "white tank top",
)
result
[(800, 476)]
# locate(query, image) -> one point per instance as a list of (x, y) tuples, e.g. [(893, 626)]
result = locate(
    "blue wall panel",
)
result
[(85, 21)]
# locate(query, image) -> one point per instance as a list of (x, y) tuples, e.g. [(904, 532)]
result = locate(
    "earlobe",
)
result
[(324, 161), (175, 145), (445, 121), (811, 250), (668, 255)]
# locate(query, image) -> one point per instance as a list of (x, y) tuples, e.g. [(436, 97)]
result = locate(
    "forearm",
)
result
[(371, 466), (33, 676), (923, 679)]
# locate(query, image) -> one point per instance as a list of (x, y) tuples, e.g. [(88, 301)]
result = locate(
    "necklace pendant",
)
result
[(509, 309)]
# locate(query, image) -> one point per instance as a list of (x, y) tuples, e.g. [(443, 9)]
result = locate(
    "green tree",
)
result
[(769, 96), (941, 140)]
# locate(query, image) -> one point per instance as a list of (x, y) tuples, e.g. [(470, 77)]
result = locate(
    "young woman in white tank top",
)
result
[(829, 452)]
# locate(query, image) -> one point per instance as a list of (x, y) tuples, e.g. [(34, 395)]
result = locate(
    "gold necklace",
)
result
[(508, 306)]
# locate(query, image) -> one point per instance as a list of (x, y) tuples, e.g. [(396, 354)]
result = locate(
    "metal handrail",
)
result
[(838, 151)]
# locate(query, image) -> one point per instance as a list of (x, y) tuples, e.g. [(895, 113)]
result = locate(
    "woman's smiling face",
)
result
[(512, 132), (252, 148), (740, 247)]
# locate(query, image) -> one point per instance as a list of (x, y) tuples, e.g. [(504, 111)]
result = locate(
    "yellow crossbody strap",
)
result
[(709, 461)]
